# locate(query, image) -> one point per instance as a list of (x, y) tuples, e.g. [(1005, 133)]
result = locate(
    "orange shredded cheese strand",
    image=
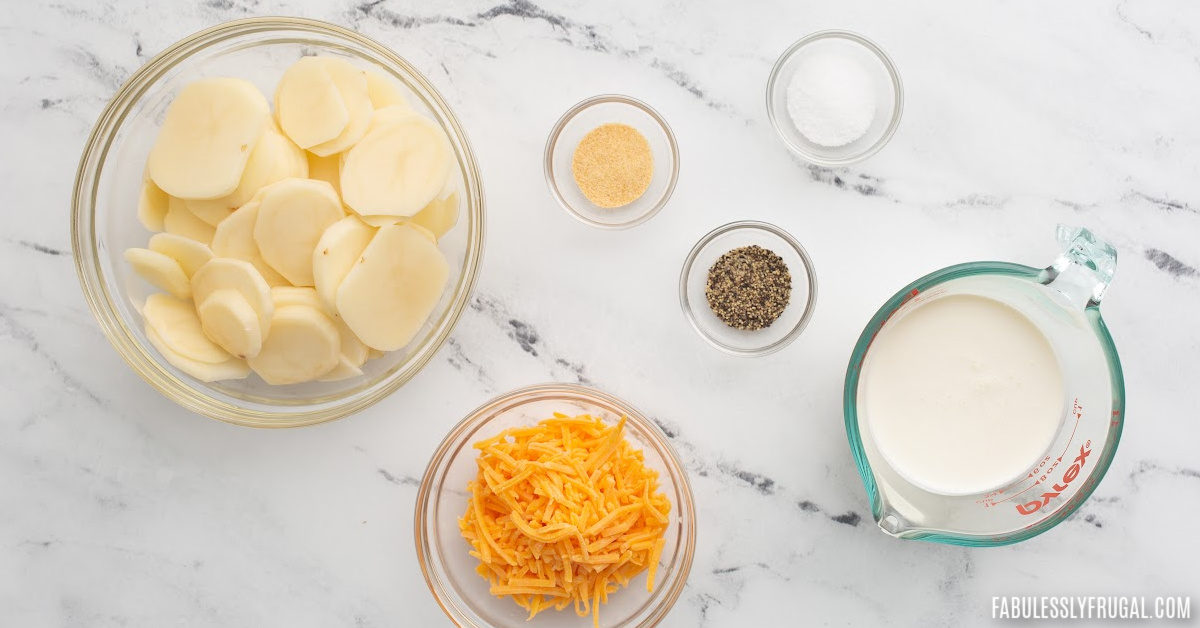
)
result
[(564, 513)]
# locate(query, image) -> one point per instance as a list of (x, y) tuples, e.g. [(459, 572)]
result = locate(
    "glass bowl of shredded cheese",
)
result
[(556, 506)]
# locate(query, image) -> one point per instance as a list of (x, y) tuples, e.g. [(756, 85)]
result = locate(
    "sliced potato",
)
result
[(336, 252), (427, 234), (211, 211), (190, 254), (274, 158), (391, 291), (292, 215), (383, 221), (439, 216), (396, 169), (326, 169), (181, 221), (176, 323), (207, 136), (309, 105), (302, 346), (353, 349), (374, 354), (351, 84), (343, 370), (152, 205), (284, 296), (228, 320), (232, 368), (390, 115), (240, 275), (384, 92), (235, 238), (160, 270)]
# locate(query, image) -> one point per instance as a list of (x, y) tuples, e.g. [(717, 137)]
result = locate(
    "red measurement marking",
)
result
[(912, 294), (1057, 489), (1022, 491), (1076, 410)]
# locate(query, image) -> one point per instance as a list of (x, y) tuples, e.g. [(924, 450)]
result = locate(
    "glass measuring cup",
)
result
[(1063, 301)]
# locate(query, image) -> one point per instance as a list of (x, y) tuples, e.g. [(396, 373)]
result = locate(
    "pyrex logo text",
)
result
[(1029, 508)]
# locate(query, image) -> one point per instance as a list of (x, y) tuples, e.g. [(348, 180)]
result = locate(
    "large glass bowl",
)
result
[(442, 499), (104, 221)]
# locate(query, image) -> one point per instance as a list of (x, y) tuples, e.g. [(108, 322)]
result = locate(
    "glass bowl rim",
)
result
[(777, 120), (478, 417), (552, 142), (850, 404), (93, 279), (749, 225)]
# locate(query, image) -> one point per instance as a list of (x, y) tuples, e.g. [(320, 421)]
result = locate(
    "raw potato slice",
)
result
[(229, 321), (326, 169), (190, 254), (274, 158), (351, 83), (240, 275), (396, 169), (390, 115), (235, 238), (374, 354), (335, 253), (180, 221), (292, 215), (383, 221), (152, 205), (176, 323), (207, 136), (302, 346), (393, 288), (343, 370), (310, 107), (439, 216), (353, 349), (427, 234), (211, 211), (384, 92), (160, 270), (295, 295), (203, 371)]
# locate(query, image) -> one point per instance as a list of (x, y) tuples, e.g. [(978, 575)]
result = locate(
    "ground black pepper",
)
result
[(749, 287)]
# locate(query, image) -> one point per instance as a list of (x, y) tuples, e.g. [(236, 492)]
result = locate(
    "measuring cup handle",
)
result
[(1083, 271)]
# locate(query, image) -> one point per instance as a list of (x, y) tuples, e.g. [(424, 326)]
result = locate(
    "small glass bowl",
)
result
[(693, 282), (889, 93), (577, 122), (104, 223), (442, 498)]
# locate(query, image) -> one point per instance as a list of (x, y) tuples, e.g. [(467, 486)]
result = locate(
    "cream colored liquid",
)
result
[(962, 395)]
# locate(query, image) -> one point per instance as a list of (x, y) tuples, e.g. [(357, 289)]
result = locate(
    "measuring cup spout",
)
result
[(893, 524), (1083, 271)]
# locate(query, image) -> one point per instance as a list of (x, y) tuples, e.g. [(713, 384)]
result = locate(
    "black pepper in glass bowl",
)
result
[(748, 288)]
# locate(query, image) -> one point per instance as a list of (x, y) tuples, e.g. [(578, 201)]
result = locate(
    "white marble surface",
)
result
[(120, 509)]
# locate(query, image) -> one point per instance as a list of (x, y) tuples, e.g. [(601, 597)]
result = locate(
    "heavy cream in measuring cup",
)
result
[(963, 394)]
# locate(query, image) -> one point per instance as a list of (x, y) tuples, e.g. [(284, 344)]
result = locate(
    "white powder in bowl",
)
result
[(831, 99)]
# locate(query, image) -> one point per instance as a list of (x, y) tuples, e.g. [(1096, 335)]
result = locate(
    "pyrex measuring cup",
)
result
[(1063, 301)]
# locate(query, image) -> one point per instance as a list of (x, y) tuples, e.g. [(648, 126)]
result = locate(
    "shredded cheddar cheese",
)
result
[(563, 513)]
